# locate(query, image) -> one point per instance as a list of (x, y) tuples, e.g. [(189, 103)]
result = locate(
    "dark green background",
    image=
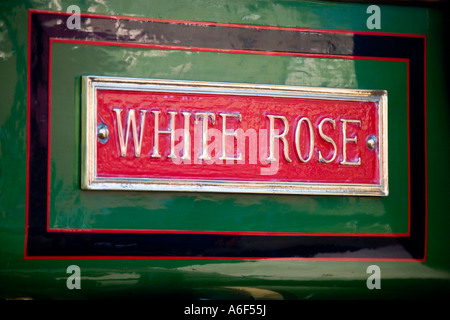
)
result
[(220, 279)]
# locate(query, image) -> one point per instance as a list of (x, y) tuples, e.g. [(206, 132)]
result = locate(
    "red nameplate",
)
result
[(194, 136)]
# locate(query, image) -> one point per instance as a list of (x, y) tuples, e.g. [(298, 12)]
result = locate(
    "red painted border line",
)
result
[(409, 149), (257, 52), (229, 25), (425, 133), (245, 233), (27, 197), (201, 49), (152, 46), (218, 258), (49, 130)]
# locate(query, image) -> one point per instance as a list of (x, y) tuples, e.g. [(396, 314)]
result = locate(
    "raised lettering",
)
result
[(205, 116), (186, 137), (281, 136), (311, 139), (171, 131), (327, 139), (225, 133), (131, 119), (346, 140)]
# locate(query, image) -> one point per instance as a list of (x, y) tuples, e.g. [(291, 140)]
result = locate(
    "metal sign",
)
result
[(143, 134)]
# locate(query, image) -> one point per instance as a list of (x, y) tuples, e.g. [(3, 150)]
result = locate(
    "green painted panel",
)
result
[(220, 279), (73, 208)]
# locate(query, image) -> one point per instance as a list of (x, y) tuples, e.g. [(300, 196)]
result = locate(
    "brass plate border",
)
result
[(90, 180)]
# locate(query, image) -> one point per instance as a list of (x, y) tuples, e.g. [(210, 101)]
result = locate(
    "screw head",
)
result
[(371, 142), (103, 132)]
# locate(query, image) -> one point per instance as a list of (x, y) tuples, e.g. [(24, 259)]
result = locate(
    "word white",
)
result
[(74, 281), (374, 280)]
